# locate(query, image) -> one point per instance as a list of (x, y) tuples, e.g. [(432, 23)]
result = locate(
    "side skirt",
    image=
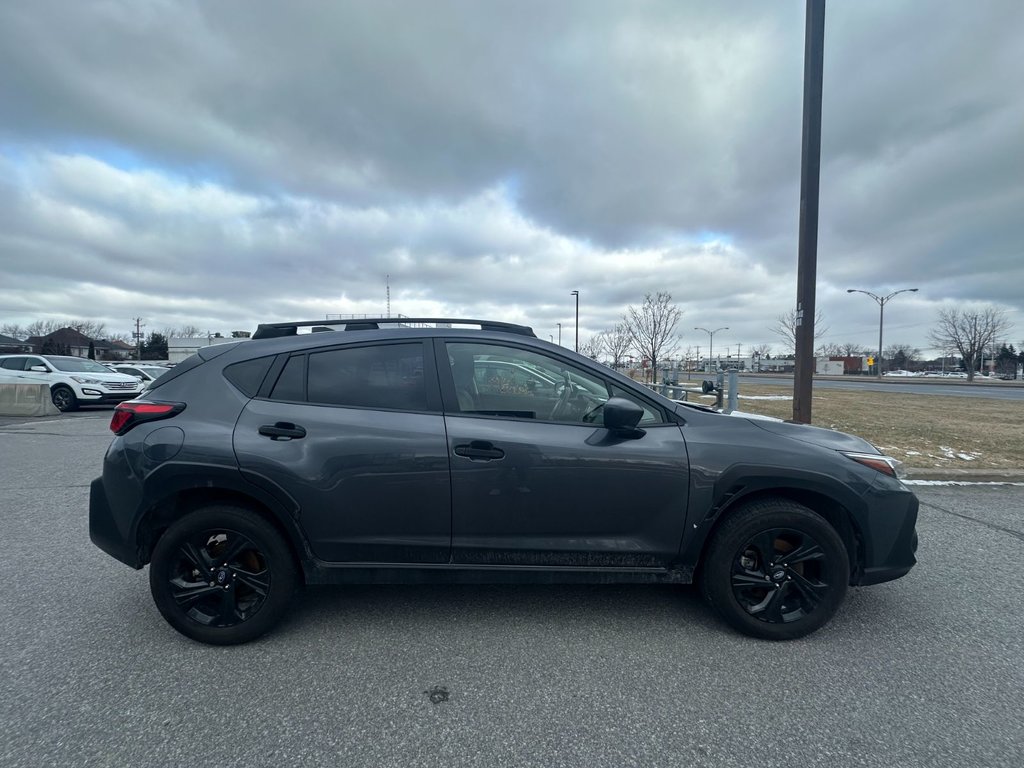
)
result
[(318, 572)]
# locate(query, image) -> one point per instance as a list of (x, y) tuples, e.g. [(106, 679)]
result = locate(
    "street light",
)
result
[(711, 341), (577, 295), (881, 301), (559, 333)]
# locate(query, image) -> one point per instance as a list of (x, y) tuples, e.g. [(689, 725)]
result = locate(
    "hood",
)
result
[(826, 438)]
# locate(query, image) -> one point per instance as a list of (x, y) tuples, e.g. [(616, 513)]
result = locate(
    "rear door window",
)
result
[(384, 376)]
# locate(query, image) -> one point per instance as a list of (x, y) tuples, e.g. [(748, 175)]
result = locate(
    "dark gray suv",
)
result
[(373, 452)]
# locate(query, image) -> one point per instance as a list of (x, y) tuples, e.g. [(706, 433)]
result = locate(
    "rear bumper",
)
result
[(104, 531)]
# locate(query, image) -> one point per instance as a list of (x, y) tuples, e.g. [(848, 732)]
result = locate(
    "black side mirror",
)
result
[(622, 416)]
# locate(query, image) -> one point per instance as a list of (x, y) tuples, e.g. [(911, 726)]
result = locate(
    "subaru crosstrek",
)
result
[(376, 453)]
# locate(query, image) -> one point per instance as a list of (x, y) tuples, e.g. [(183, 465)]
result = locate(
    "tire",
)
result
[(64, 398), (775, 570), (222, 575)]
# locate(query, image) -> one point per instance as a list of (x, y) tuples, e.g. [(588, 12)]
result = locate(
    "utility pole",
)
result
[(138, 337), (810, 177), (577, 295)]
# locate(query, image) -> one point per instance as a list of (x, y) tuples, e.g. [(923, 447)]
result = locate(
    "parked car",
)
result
[(147, 373), (73, 381), (372, 454)]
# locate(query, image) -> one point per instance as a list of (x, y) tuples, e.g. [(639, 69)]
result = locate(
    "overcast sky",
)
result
[(224, 163)]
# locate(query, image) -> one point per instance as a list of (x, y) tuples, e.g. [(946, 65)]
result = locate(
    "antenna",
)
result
[(387, 287)]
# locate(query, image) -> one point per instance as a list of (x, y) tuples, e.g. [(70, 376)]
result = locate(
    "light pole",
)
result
[(882, 301), (711, 341), (577, 295), (559, 333)]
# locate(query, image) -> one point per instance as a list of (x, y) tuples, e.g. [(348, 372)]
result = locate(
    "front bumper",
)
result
[(105, 398), (888, 535)]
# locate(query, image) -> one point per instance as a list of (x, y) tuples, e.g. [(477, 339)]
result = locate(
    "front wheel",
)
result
[(64, 398), (222, 575), (776, 570)]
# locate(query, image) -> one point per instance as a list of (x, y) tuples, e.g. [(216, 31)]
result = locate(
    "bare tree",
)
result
[(829, 350), (593, 348), (785, 328), (187, 332), (91, 328), (615, 343), (15, 331), (901, 355), (969, 332), (42, 327), (851, 350), (652, 328)]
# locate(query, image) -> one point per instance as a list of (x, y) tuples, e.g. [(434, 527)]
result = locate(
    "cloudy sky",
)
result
[(222, 163)]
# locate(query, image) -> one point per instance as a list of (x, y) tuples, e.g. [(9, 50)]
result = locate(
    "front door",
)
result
[(537, 479)]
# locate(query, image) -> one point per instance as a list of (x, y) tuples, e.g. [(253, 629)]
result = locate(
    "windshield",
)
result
[(77, 365)]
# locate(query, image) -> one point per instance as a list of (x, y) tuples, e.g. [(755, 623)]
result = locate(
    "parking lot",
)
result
[(924, 671)]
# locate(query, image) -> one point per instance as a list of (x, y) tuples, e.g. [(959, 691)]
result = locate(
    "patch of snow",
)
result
[(961, 482), (966, 456), (913, 453), (765, 397)]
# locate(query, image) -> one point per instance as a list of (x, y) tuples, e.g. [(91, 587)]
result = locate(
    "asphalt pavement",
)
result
[(924, 671)]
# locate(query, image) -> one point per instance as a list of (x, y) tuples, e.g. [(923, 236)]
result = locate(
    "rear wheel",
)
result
[(64, 398), (776, 570), (222, 575)]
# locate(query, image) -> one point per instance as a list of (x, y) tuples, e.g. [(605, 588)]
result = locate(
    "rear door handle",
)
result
[(479, 450), (282, 430)]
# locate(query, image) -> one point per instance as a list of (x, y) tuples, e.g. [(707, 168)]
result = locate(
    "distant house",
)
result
[(114, 349), (68, 341), (63, 341), (12, 346)]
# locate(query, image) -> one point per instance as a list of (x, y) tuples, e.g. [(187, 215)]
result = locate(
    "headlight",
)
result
[(887, 465), (86, 380)]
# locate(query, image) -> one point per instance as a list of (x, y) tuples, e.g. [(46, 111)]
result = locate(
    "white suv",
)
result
[(73, 381)]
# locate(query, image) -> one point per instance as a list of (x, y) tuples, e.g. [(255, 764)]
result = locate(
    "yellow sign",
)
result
[(871, 361)]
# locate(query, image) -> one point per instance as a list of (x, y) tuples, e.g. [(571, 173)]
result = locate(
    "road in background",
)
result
[(924, 671), (1002, 391)]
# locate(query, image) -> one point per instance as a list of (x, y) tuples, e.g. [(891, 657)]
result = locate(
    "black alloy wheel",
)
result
[(64, 398), (776, 570), (222, 575), (778, 576)]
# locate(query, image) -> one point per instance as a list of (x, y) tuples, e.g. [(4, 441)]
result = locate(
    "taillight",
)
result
[(134, 412)]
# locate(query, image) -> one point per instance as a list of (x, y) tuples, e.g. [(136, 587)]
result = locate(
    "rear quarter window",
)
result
[(247, 376)]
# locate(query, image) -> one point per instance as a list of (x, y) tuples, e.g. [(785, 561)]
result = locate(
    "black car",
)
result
[(377, 452)]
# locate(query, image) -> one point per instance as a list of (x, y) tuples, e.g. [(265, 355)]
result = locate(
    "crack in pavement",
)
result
[(993, 526)]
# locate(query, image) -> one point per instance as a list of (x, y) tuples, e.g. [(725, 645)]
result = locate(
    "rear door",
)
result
[(356, 436)]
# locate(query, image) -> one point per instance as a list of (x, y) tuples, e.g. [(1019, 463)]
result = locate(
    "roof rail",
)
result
[(275, 330)]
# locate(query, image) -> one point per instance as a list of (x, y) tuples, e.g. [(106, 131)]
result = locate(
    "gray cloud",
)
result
[(226, 162)]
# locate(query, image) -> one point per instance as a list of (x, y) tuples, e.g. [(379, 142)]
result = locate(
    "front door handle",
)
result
[(282, 430), (479, 450)]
